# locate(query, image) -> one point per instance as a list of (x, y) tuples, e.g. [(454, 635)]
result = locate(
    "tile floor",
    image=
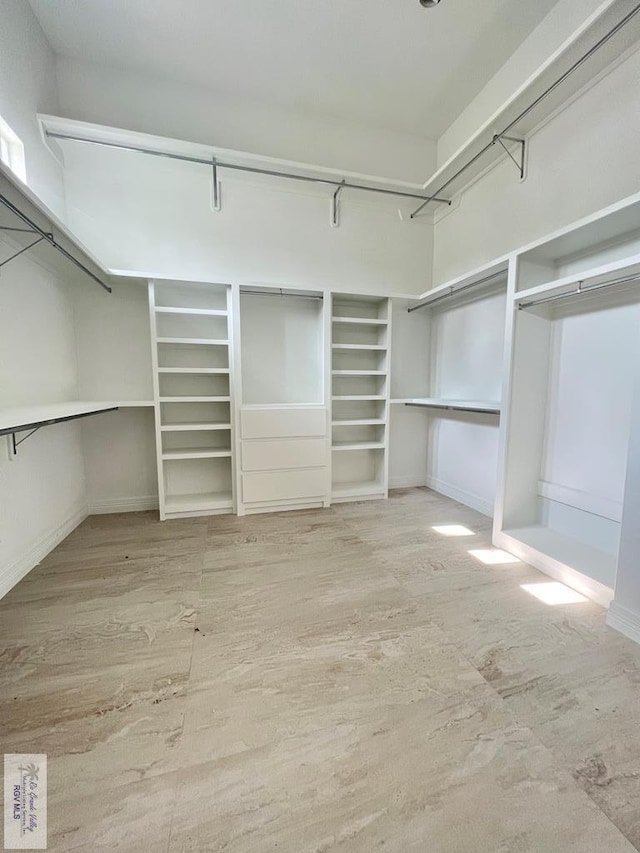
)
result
[(333, 680)]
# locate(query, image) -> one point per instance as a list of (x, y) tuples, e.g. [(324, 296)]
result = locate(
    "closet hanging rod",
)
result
[(234, 166), (280, 293), (453, 291), (503, 133), (35, 229), (579, 291)]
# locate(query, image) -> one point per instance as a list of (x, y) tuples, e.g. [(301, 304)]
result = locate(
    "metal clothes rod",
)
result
[(51, 241), (498, 136), (455, 291), (252, 169), (443, 407), (280, 293), (579, 291)]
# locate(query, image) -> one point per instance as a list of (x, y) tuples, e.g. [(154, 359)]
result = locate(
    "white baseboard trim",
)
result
[(135, 504), (15, 571), (461, 495), (410, 482), (624, 621)]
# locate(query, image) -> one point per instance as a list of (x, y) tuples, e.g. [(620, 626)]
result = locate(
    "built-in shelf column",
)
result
[(193, 397)]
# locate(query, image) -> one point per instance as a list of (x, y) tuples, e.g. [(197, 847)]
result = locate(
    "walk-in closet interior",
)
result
[(301, 276)]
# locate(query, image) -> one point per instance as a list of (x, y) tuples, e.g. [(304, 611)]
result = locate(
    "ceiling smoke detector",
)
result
[(428, 4)]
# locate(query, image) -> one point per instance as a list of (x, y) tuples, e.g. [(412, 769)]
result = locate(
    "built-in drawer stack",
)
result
[(284, 457)]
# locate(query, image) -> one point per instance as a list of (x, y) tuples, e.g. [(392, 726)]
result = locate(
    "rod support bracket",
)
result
[(216, 201), (519, 163), (335, 201)]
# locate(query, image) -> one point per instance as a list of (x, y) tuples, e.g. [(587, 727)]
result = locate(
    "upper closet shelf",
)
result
[(477, 281), (29, 224), (601, 40), (492, 407), (32, 418)]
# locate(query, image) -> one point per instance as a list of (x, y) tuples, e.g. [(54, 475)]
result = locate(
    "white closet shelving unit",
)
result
[(360, 348), (572, 366), (193, 391)]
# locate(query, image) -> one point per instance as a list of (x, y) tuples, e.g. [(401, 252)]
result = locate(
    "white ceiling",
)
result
[(388, 63)]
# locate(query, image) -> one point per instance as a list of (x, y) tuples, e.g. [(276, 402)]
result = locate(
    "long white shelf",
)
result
[(361, 487), (208, 342), (358, 445), (198, 502), (375, 347), (189, 370), (361, 397), (202, 312), (347, 422), (360, 321), (589, 277), (359, 372), (484, 406), (197, 453), (186, 427), (29, 417), (195, 399)]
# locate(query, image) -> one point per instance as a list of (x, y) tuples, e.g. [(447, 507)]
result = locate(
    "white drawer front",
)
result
[(267, 455), (284, 485), (283, 423)]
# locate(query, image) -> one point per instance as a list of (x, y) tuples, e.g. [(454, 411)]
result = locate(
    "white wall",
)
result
[(155, 215), (467, 344), (134, 101), (42, 490), (28, 86), (582, 160)]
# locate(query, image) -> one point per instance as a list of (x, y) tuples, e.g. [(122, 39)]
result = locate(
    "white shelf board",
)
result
[(482, 406), (359, 422), (359, 372), (195, 399), (188, 427), (32, 206), (590, 278), (376, 347), (197, 453), (360, 321), (491, 271), (189, 370), (22, 417), (198, 502), (209, 342), (596, 565), (358, 445), (203, 312), (362, 397), (356, 489)]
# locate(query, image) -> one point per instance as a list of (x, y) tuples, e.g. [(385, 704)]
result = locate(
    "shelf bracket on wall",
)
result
[(335, 217), (522, 143), (216, 201), (20, 251), (46, 236)]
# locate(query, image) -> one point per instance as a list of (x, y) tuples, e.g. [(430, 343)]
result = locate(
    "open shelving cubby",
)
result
[(360, 346), (565, 446), (193, 397)]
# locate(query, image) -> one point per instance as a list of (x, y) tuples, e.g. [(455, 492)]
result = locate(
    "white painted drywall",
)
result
[(124, 99), (467, 343), (150, 214), (282, 349), (42, 490), (28, 86)]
